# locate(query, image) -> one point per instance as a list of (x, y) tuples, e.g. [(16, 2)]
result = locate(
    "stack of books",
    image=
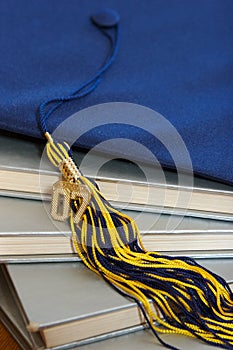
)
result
[(48, 298)]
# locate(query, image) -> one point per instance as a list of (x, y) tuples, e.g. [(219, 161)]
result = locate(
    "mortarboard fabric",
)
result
[(175, 57)]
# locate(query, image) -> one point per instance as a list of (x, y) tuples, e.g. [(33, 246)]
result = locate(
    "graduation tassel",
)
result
[(176, 295)]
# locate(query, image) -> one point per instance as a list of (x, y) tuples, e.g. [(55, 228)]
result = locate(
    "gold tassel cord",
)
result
[(176, 295)]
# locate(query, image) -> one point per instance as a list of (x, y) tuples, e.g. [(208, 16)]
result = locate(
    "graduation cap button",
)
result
[(106, 18)]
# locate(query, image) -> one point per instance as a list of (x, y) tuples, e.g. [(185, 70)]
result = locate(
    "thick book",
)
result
[(23, 173), (13, 319), (28, 233), (15, 300), (67, 303)]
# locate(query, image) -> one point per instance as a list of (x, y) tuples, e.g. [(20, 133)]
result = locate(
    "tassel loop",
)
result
[(56, 152)]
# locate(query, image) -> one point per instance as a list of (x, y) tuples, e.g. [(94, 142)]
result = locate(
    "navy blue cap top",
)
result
[(106, 18), (175, 59)]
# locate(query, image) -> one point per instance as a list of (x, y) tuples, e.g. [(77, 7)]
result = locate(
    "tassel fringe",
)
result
[(176, 295)]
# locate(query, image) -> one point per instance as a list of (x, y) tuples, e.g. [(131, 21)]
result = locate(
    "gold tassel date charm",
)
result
[(69, 190), (63, 193)]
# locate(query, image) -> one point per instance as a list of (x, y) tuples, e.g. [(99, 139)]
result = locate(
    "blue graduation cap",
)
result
[(175, 57)]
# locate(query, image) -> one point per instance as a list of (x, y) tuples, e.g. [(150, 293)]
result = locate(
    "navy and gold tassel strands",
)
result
[(176, 295)]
